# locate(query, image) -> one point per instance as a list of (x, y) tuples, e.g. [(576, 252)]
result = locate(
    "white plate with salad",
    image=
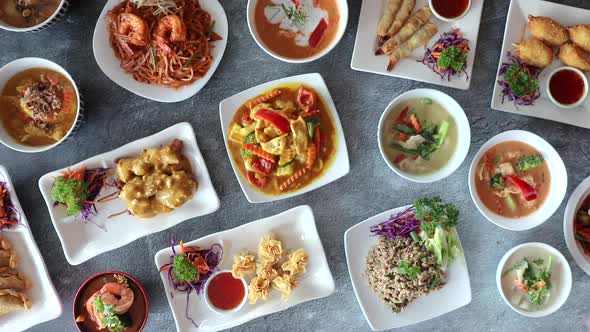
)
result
[(424, 253), (534, 279)]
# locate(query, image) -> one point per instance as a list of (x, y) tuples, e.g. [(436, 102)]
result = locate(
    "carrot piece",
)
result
[(257, 150), (68, 96), (293, 178), (312, 154), (309, 114), (415, 123), (264, 98), (317, 139), (402, 117), (539, 285)]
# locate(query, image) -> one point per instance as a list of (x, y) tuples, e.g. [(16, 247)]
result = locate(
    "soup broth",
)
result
[(412, 136), (582, 226), (512, 179), (27, 13)]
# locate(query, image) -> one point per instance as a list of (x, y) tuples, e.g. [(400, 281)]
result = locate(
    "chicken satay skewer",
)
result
[(420, 38)]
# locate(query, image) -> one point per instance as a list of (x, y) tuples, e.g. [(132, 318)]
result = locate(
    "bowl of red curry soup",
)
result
[(517, 180), (297, 31), (138, 312)]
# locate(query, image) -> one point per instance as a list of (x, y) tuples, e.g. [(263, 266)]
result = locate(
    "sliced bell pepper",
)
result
[(275, 119), (256, 182), (306, 98), (528, 192), (402, 117), (318, 33), (246, 119), (263, 166)]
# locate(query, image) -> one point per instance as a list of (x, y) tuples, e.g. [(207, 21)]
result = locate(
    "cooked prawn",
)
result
[(134, 27), (170, 28), (117, 294)]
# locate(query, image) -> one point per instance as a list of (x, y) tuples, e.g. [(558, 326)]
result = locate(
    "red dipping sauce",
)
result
[(225, 292), (450, 8), (567, 87)]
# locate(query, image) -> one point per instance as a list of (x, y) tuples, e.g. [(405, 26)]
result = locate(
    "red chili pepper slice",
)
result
[(297, 4), (402, 117), (306, 98), (318, 33), (399, 158), (246, 119), (256, 182), (275, 119), (528, 192), (263, 166)]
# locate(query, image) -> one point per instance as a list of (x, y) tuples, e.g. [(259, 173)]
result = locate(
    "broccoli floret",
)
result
[(497, 181), (529, 162)]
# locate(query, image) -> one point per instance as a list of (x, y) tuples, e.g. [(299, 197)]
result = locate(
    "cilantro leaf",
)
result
[(411, 271)]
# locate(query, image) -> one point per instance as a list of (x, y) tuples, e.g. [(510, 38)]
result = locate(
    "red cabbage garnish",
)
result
[(447, 39), (527, 100), (8, 213), (399, 225)]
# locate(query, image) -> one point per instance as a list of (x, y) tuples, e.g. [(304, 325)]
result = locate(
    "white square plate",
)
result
[(517, 30), (111, 66), (456, 293), (338, 168), (82, 241), (296, 229), (364, 59), (46, 303)]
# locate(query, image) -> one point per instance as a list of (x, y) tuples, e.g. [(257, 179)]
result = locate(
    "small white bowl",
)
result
[(584, 96), (558, 181), (221, 311), (579, 195), (17, 66), (561, 276), (59, 12), (343, 11), (463, 129), (447, 19)]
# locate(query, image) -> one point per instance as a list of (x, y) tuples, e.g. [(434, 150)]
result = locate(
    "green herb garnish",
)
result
[(153, 58), (210, 33), (70, 192), (433, 212), (434, 142), (529, 162), (452, 57), (184, 269), (520, 81), (294, 15), (411, 271), (110, 320), (497, 181)]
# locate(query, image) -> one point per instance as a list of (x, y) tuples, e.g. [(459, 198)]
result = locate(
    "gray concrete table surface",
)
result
[(115, 116)]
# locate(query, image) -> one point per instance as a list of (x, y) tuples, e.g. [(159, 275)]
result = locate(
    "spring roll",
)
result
[(401, 17), (8, 259), (387, 18), (420, 17), (12, 300), (420, 38), (4, 244), (12, 279)]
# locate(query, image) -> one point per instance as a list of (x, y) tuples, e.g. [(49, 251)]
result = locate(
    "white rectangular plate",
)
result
[(46, 303), (364, 59), (82, 241), (517, 30), (456, 293), (338, 168), (296, 229)]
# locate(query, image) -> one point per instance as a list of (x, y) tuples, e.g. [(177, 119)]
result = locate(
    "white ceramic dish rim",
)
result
[(463, 130), (221, 311), (25, 228), (558, 185), (584, 96), (449, 19), (110, 65), (554, 252), (29, 63), (332, 174), (9, 27), (343, 10), (576, 199)]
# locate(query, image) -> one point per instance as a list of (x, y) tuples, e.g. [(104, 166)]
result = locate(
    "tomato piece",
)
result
[(318, 33), (528, 192), (256, 182), (275, 119), (263, 166), (306, 98)]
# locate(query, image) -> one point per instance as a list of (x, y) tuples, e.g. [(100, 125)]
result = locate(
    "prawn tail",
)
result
[(391, 65)]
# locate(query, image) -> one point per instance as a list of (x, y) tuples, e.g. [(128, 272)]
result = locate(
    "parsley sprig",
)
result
[(184, 269), (70, 192), (452, 57), (520, 80), (432, 212)]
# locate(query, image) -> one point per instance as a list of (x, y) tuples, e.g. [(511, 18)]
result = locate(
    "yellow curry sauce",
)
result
[(287, 106)]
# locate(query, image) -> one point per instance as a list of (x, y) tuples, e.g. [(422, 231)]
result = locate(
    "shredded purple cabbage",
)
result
[(98, 176), (447, 39), (507, 92), (7, 208), (400, 225)]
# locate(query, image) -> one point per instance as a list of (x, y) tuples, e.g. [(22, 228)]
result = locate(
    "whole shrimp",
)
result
[(134, 27), (115, 293), (170, 29)]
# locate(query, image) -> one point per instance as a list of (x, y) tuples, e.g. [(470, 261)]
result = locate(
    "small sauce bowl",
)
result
[(562, 86), (219, 310), (446, 3)]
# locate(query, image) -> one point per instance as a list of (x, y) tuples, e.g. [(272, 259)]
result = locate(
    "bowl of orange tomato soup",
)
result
[(297, 31), (517, 180)]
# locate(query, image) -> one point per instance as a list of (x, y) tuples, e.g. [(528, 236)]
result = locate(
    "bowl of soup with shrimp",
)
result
[(29, 15), (297, 31), (517, 180), (40, 105), (424, 135)]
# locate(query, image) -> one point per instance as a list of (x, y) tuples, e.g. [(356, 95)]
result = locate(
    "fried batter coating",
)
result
[(534, 52), (547, 30), (574, 56), (580, 35)]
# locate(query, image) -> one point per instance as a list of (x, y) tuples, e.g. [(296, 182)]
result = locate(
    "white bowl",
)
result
[(59, 12), (584, 96), (337, 168), (343, 11), (561, 276), (463, 129), (558, 181), (220, 311), (17, 66), (447, 19), (111, 66), (581, 192)]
